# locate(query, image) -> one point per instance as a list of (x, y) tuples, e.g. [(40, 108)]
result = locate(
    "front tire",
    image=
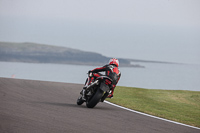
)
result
[(80, 101), (95, 99)]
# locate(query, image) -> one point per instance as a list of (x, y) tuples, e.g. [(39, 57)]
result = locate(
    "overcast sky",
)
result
[(162, 30)]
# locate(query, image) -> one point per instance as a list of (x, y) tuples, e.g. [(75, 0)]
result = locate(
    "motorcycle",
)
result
[(97, 91)]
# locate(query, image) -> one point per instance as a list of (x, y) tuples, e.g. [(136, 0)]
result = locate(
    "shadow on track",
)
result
[(58, 104), (72, 105)]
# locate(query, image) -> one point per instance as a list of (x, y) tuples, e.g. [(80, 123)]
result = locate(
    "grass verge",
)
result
[(177, 105)]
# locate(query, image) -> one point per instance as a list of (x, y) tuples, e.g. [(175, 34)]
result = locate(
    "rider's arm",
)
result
[(99, 69), (113, 87)]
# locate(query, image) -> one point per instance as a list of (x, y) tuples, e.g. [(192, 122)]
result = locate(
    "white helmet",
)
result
[(114, 61)]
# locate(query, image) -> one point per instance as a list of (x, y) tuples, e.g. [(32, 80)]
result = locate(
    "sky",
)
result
[(159, 30)]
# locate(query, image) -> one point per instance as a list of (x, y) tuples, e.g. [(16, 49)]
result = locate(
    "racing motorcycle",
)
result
[(97, 91)]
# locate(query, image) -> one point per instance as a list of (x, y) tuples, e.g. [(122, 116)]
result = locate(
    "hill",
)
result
[(42, 53)]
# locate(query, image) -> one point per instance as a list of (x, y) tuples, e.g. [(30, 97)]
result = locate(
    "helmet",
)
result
[(114, 61)]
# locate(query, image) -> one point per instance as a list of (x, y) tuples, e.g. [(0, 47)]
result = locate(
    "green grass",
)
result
[(177, 105)]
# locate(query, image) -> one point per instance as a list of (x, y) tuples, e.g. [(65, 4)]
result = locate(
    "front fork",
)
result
[(87, 88), (89, 79)]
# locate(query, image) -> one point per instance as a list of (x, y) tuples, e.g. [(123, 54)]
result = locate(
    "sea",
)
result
[(153, 76)]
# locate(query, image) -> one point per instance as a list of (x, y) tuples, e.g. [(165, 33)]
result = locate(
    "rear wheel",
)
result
[(91, 103)]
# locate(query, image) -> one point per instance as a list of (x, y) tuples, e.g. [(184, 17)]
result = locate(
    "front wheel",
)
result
[(95, 99), (80, 101)]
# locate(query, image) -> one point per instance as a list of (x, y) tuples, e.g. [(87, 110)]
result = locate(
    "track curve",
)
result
[(41, 106)]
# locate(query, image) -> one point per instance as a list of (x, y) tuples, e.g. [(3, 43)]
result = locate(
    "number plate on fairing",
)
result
[(104, 87)]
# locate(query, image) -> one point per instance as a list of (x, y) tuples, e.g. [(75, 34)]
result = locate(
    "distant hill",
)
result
[(40, 53)]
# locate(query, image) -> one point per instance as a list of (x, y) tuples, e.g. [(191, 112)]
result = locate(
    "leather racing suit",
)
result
[(111, 71)]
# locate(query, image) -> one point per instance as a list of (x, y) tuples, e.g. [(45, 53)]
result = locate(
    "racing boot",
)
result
[(110, 96)]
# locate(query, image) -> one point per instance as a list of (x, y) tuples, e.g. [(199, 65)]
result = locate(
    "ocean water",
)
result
[(153, 76)]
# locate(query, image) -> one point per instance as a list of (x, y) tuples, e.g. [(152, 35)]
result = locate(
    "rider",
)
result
[(111, 70)]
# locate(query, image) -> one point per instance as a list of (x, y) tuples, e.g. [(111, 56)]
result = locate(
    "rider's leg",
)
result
[(112, 91), (111, 94)]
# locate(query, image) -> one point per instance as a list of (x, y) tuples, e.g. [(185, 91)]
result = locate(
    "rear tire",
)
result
[(80, 101), (95, 99)]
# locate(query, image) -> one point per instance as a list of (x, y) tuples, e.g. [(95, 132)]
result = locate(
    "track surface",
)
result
[(28, 106)]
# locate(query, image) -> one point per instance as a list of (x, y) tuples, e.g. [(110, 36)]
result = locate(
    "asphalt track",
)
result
[(28, 106)]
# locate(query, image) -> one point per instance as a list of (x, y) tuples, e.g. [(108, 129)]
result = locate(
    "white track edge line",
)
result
[(150, 115)]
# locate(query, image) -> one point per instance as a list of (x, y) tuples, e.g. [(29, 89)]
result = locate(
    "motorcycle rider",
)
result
[(111, 70)]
